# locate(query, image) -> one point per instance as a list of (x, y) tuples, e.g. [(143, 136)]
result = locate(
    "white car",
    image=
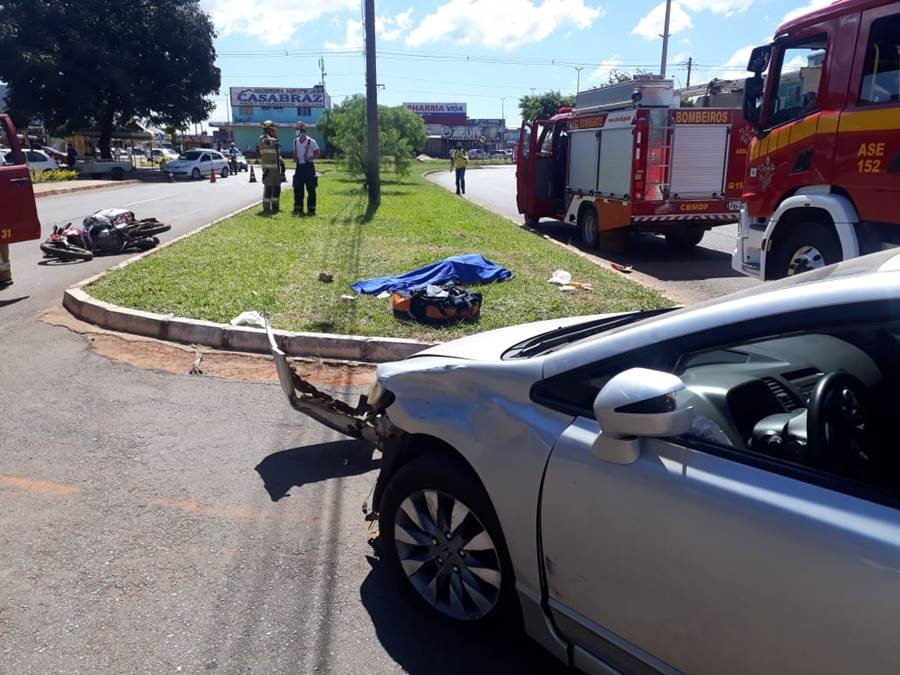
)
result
[(198, 163), (168, 154), (706, 490), (37, 160)]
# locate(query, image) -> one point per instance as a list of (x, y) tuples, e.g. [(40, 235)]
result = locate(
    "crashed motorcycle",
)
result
[(106, 232)]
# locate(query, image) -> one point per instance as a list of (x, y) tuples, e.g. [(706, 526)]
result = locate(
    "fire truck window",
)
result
[(881, 71), (798, 80), (546, 143), (6, 156), (526, 142)]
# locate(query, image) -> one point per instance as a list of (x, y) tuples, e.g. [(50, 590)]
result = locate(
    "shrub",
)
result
[(52, 176)]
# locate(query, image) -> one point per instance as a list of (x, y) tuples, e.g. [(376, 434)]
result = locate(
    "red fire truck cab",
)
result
[(18, 219), (626, 158), (824, 166)]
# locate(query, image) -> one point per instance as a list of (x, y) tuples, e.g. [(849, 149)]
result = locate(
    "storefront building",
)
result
[(447, 125), (251, 106)]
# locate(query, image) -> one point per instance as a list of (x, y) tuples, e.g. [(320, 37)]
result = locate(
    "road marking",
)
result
[(154, 199), (192, 506), (39, 485)]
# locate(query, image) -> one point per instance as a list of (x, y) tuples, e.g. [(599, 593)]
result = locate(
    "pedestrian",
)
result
[(5, 268), (306, 151), (458, 161), (270, 159), (71, 156)]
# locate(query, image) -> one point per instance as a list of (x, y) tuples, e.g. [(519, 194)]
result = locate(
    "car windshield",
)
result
[(192, 155)]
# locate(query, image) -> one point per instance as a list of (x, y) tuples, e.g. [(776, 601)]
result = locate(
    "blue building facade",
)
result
[(251, 106)]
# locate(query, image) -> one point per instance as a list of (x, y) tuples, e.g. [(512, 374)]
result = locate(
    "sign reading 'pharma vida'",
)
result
[(437, 108), (272, 97)]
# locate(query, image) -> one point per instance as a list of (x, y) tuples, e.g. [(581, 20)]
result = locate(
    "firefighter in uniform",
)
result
[(269, 157)]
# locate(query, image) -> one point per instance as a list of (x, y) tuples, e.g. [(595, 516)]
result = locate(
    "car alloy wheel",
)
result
[(447, 555), (195, 174)]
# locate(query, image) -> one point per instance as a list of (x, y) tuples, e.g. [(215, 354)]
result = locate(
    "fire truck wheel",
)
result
[(531, 221), (685, 238), (808, 247), (587, 228)]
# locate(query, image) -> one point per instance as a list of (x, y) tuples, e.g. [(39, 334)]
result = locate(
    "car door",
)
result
[(704, 557), (19, 219), (205, 163)]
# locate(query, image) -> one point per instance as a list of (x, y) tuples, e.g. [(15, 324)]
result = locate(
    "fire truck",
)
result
[(823, 169), (627, 158), (18, 219)]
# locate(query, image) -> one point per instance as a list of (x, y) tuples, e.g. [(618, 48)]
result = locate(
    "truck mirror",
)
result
[(759, 59), (753, 91)]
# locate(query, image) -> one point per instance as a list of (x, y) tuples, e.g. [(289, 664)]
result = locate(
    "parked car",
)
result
[(168, 154), (198, 163), (58, 155), (711, 489), (139, 153), (37, 160), (501, 154), (476, 153)]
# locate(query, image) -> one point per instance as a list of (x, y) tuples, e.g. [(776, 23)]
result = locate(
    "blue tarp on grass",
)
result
[(466, 269)]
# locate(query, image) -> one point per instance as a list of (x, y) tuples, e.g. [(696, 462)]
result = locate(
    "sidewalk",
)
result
[(65, 187)]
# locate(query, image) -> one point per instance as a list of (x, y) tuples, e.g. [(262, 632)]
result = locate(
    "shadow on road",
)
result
[(12, 301), (652, 255), (313, 463), (421, 643)]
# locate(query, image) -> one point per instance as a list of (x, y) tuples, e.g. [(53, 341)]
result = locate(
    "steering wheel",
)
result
[(838, 421)]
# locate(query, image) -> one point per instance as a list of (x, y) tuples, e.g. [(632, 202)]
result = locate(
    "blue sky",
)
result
[(480, 51)]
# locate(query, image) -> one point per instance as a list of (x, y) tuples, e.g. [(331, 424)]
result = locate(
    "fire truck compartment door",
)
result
[(699, 154), (583, 146), (614, 169)]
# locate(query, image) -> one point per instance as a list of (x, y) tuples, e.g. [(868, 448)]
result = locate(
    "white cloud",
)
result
[(805, 9), (388, 28), (270, 21), (501, 23), (601, 73), (650, 27), (736, 66)]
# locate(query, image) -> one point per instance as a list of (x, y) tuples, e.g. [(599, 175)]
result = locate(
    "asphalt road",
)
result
[(688, 277), (152, 522)]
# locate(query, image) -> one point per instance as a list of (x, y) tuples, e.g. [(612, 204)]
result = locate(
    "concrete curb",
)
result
[(84, 188), (225, 336)]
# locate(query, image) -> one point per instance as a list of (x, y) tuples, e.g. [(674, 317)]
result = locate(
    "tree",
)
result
[(103, 63), (401, 134), (544, 105)]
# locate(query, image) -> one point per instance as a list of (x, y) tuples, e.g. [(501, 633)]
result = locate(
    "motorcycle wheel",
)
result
[(152, 228), (65, 252)]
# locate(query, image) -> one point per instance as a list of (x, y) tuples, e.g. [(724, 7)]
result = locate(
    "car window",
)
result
[(881, 70), (205, 157), (192, 155), (819, 401), (33, 156), (797, 80), (545, 142)]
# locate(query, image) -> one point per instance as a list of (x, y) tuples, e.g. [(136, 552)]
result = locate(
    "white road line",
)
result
[(144, 201)]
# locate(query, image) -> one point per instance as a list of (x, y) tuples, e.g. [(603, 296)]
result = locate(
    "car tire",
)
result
[(442, 542), (195, 174), (685, 238), (224, 172), (587, 228), (806, 247)]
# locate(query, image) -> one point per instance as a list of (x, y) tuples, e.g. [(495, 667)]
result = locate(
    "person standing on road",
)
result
[(306, 151), (5, 268), (458, 162), (270, 160), (71, 156)]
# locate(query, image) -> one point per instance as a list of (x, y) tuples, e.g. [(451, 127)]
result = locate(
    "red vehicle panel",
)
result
[(19, 219)]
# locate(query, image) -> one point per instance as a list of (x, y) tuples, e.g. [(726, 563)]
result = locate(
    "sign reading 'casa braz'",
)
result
[(275, 97)]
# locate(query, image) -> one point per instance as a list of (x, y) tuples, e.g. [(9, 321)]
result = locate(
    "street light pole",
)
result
[(578, 85), (665, 37), (373, 176)]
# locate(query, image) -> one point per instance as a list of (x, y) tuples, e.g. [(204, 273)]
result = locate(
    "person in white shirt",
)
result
[(306, 151)]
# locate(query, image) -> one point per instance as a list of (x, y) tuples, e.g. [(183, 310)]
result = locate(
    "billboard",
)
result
[(437, 108), (278, 97)]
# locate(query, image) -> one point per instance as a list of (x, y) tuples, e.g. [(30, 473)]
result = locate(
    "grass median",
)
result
[(272, 264)]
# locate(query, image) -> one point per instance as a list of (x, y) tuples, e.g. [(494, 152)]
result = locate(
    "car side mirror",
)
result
[(636, 404)]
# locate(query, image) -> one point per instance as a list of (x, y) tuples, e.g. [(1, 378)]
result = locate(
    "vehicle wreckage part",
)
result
[(65, 252), (441, 538)]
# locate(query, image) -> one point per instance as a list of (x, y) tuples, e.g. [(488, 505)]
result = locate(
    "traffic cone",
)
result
[(212, 175), (252, 174)]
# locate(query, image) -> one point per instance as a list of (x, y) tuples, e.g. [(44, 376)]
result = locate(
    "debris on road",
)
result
[(252, 318), (472, 268), (326, 277), (561, 277), (625, 269)]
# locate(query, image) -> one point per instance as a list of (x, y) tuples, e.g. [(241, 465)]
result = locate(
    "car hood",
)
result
[(490, 345)]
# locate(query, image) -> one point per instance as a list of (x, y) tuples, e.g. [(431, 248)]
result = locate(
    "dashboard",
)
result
[(732, 390)]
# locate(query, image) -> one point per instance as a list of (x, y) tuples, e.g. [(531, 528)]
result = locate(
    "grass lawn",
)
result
[(272, 264)]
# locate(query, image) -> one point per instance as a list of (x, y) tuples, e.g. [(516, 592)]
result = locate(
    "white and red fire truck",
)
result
[(823, 169), (628, 158)]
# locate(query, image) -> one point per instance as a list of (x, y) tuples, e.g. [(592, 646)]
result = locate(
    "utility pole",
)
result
[(322, 70), (578, 81), (503, 109), (665, 37), (690, 63), (373, 176)]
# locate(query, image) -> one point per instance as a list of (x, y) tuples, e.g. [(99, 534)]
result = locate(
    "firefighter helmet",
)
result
[(300, 126), (268, 124)]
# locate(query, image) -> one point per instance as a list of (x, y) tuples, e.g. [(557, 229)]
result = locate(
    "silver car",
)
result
[(707, 490)]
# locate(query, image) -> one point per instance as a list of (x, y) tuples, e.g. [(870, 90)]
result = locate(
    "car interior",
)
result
[(818, 400)]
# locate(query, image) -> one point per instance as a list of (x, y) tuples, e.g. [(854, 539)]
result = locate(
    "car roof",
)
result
[(868, 278)]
